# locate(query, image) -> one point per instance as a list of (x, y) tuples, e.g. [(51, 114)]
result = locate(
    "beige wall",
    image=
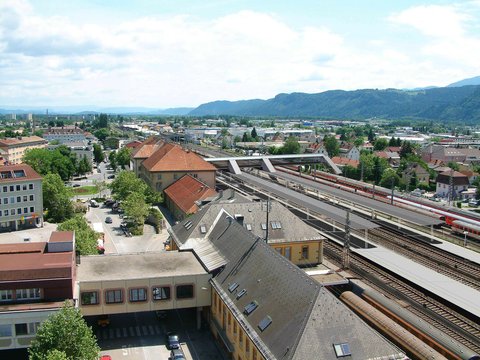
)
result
[(314, 252), (161, 180), (244, 348), (201, 286), (14, 154)]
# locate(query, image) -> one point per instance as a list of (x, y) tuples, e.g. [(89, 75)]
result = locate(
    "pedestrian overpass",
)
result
[(268, 162)]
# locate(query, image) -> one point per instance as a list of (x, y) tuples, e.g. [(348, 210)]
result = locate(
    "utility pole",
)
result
[(450, 188), (346, 244), (267, 209), (393, 189), (361, 171)]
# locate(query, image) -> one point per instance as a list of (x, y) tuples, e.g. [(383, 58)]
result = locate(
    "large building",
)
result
[(280, 228), (21, 198), (264, 307), (35, 279), (65, 135), (451, 183), (160, 164), (14, 148)]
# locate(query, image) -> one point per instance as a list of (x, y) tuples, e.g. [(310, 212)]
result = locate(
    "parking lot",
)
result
[(142, 336)]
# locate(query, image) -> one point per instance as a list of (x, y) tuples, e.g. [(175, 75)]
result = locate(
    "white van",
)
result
[(93, 203)]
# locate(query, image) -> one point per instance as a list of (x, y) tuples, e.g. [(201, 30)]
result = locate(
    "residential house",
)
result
[(350, 152), (35, 280), (341, 162), (458, 181), (144, 151), (21, 198), (414, 169), (367, 147), (280, 228), (393, 158), (183, 196), (13, 149)]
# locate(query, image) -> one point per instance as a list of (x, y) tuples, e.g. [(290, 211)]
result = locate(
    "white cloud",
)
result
[(183, 60)]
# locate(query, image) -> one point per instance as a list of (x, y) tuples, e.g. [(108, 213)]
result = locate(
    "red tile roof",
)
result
[(147, 148), (345, 161), (7, 173), (171, 157), (185, 191), (21, 140), (133, 144), (61, 236)]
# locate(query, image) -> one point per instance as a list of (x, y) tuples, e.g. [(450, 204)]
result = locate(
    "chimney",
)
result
[(239, 218)]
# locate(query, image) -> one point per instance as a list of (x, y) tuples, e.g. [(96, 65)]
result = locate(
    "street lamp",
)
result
[(465, 238)]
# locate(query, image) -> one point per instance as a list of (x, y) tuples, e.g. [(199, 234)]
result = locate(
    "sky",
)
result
[(162, 53)]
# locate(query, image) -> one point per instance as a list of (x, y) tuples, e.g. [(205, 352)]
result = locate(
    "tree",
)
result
[(291, 146), (64, 332), (56, 199), (84, 166), (125, 184), (392, 142), (122, 157), (453, 165), (85, 237), (136, 207), (101, 134), (98, 155), (101, 122), (389, 176), (380, 144), (112, 157), (60, 161), (371, 135), (406, 149), (254, 134), (331, 145)]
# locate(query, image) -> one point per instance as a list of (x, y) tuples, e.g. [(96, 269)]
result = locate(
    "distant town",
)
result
[(233, 237)]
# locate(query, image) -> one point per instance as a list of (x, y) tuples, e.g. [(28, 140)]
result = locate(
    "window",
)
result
[(5, 188), (12, 212), (5, 330), (264, 226), (264, 323), (248, 227), (159, 176), (12, 188), (12, 199), (6, 212), (25, 198), (288, 253), (0, 212), (32, 209), (19, 199), (32, 198), (203, 229), (19, 211), (30, 186), (255, 354), (184, 291), (342, 350), (6, 295), (195, 176), (305, 252), (234, 327), (113, 296), (24, 294), (24, 187), (25, 210), (21, 329), (240, 336), (18, 188), (247, 346), (137, 295), (89, 298), (161, 293), (5, 201)]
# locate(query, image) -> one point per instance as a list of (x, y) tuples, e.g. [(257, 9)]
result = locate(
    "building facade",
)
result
[(35, 279), (14, 148), (65, 135), (21, 198), (451, 184)]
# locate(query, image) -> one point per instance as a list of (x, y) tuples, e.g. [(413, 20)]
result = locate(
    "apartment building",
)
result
[(35, 279), (21, 199), (65, 135), (14, 148)]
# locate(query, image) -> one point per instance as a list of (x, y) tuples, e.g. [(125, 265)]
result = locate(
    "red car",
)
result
[(105, 357)]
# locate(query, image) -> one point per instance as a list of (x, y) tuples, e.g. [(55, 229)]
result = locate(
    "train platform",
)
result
[(453, 291), (394, 211), (332, 212)]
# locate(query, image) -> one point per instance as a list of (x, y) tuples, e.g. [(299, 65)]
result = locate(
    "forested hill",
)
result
[(448, 103)]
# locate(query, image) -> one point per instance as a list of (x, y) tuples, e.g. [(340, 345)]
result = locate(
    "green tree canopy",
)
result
[(98, 153), (56, 199), (254, 134), (291, 146), (125, 184), (64, 332), (331, 145), (122, 157), (85, 237), (101, 134), (112, 157), (380, 144), (136, 207), (60, 161), (84, 166), (389, 177)]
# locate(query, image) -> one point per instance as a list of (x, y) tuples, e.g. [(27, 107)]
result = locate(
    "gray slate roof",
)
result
[(254, 215), (306, 319)]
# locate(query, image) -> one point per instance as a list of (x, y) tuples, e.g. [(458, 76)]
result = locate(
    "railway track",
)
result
[(434, 312), (443, 262)]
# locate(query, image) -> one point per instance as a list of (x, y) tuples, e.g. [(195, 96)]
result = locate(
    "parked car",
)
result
[(109, 202), (108, 220), (76, 185), (173, 342), (93, 203), (105, 357), (177, 354), (111, 176)]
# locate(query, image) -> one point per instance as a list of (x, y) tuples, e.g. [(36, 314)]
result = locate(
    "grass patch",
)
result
[(86, 190)]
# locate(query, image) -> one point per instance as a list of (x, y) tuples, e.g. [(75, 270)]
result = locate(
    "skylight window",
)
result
[(188, 225), (264, 323), (241, 293), (342, 350), (264, 226), (273, 224), (233, 287), (18, 173), (248, 227), (203, 229), (250, 308)]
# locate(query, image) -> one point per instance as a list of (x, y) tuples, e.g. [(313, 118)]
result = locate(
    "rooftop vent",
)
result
[(250, 308), (241, 293), (264, 323), (239, 218), (233, 287), (342, 350)]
